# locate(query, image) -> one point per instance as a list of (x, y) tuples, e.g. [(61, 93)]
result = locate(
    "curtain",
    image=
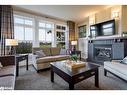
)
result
[(6, 27)]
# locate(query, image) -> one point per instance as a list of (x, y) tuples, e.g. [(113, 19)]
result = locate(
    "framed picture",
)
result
[(82, 31)]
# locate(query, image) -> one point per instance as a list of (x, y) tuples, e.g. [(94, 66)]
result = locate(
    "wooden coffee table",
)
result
[(76, 75)]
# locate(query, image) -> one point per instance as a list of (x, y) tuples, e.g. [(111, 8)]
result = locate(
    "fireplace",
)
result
[(103, 52)]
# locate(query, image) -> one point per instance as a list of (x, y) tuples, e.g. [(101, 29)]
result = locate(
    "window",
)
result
[(45, 32), (23, 28), (82, 31), (93, 30)]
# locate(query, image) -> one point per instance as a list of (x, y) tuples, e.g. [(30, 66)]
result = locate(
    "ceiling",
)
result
[(75, 13)]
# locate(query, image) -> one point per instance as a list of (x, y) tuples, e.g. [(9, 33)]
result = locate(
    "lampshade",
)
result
[(73, 42), (11, 42)]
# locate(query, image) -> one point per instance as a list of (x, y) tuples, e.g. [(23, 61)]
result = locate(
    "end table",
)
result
[(21, 57)]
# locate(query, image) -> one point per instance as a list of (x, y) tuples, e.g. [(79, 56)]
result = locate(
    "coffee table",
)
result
[(76, 75)]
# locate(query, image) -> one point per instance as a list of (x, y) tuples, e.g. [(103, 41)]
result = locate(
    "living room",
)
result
[(38, 42)]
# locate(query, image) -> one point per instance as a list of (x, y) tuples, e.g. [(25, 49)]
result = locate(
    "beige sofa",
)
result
[(7, 72), (52, 54)]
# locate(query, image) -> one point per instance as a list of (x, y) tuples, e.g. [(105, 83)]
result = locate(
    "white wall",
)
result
[(83, 42)]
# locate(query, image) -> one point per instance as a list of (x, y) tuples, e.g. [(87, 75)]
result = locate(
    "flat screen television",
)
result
[(108, 28), (103, 29)]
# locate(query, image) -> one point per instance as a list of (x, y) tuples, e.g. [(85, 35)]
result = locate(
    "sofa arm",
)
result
[(7, 60)]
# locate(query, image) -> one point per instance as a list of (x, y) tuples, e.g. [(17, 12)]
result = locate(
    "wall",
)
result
[(100, 16), (105, 15), (124, 18), (83, 42)]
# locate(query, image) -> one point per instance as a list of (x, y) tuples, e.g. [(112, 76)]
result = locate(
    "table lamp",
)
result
[(74, 43), (12, 43)]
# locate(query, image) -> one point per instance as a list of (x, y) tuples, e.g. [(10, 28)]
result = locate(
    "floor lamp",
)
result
[(11, 43)]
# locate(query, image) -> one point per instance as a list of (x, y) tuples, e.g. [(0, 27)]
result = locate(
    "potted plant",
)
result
[(74, 57), (124, 33)]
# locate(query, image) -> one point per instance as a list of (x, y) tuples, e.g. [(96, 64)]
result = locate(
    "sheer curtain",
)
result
[(6, 27)]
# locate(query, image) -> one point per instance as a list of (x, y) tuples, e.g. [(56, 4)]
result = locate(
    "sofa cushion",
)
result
[(45, 59), (62, 51), (52, 58), (7, 83), (47, 51), (35, 49), (55, 51), (61, 57), (116, 66), (7, 70), (40, 53)]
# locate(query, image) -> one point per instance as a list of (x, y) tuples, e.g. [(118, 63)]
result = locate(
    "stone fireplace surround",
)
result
[(100, 50)]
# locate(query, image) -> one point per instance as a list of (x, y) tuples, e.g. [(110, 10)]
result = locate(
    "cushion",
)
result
[(7, 70), (52, 58), (46, 59), (55, 51), (62, 51), (47, 51), (61, 57), (40, 53), (7, 83), (116, 66), (124, 61)]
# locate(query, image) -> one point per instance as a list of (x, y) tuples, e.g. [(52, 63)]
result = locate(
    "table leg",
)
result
[(52, 75), (27, 63), (96, 78), (105, 72), (71, 86), (80, 56), (17, 68)]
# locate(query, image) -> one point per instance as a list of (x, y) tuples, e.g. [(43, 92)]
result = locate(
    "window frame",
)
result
[(46, 29), (24, 17)]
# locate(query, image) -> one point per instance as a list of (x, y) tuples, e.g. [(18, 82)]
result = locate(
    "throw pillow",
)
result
[(124, 61), (62, 51), (40, 53), (1, 65)]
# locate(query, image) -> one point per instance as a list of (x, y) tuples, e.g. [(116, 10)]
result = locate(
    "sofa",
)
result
[(53, 54), (7, 72), (116, 68)]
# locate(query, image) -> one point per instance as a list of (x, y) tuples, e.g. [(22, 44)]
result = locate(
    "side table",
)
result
[(21, 57)]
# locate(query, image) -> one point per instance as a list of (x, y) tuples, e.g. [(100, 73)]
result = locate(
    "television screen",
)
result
[(108, 29)]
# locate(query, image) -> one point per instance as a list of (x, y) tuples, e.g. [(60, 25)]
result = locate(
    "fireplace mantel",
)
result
[(107, 38)]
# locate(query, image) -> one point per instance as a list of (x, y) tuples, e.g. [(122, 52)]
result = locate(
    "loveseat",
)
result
[(7, 72), (51, 55), (116, 68)]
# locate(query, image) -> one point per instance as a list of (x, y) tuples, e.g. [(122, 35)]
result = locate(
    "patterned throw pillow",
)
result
[(124, 61), (40, 54)]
